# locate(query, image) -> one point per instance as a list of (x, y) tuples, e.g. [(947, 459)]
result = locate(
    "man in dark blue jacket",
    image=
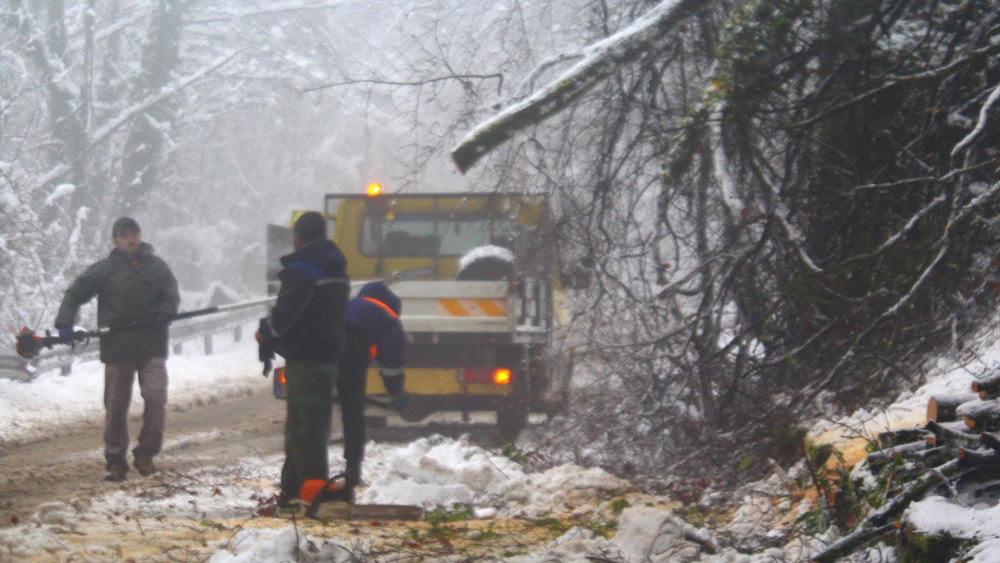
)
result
[(374, 332), (306, 326)]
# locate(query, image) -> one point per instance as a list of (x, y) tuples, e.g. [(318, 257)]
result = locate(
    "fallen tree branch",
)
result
[(601, 60)]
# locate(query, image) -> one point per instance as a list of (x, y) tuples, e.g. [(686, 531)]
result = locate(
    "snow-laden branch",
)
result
[(104, 132), (984, 114), (600, 61), (909, 225)]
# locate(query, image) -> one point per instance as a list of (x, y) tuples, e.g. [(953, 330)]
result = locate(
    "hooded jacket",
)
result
[(375, 312), (128, 291), (308, 317)]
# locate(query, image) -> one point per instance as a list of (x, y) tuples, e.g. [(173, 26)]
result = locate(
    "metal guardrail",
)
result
[(17, 368)]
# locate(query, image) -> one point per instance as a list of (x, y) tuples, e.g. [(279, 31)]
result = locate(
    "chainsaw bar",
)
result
[(343, 511)]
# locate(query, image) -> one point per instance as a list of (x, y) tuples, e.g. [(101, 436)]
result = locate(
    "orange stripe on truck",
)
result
[(454, 307), (491, 307)]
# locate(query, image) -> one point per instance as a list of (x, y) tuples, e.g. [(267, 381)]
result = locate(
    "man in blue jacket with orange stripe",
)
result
[(374, 332)]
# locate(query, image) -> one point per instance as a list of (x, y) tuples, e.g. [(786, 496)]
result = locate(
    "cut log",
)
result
[(876, 460), (951, 434), (989, 384), (977, 458), (990, 440), (983, 416), (901, 436), (933, 457), (941, 408)]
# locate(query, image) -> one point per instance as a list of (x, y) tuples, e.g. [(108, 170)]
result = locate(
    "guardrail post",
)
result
[(208, 344), (66, 369), (238, 333), (179, 348)]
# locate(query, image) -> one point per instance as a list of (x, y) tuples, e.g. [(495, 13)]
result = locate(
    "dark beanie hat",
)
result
[(123, 224)]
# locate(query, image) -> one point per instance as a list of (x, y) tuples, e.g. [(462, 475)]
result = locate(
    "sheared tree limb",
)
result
[(601, 59)]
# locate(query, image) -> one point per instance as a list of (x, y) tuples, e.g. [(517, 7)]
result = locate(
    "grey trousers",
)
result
[(118, 380)]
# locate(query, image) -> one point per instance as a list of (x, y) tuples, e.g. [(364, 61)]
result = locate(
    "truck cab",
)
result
[(479, 320)]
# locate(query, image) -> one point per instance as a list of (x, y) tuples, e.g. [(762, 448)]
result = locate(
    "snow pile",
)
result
[(434, 471), (936, 515), (651, 534), (985, 552), (265, 545), (645, 534), (62, 514), (22, 542), (31, 409), (559, 487), (575, 546)]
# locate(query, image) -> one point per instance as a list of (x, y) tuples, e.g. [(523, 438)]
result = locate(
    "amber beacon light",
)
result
[(374, 189)]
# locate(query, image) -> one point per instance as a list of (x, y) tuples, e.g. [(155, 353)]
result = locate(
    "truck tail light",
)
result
[(499, 376), (279, 376)]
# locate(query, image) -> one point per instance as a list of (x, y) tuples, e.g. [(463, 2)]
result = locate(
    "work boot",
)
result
[(352, 478), (145, 465), (117, 471)]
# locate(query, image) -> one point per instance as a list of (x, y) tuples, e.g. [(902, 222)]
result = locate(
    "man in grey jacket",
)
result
[(132, 285)]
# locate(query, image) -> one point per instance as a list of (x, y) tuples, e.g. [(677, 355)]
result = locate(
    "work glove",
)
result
[(265, 351), (66, 334)]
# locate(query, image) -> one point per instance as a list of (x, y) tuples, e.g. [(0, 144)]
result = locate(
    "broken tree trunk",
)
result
[(981, 415), (941, 408), (878, 459), (977, 458), (875, 524)]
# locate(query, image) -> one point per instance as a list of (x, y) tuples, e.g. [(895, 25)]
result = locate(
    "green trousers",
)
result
[(307, 425)]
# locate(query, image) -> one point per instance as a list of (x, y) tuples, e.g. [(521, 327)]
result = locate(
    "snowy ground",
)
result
[(480, 504), (29, 410)]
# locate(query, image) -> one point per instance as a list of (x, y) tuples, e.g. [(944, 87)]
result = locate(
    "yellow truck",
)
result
[(479, 320)]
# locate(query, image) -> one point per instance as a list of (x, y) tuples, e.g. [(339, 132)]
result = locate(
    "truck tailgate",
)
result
[(456, 306)]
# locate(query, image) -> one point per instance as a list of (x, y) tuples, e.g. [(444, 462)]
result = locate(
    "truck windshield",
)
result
[(413, 234)]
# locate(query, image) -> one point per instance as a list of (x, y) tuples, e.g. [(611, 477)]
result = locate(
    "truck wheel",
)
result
[(414, 413), (510, 421)]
